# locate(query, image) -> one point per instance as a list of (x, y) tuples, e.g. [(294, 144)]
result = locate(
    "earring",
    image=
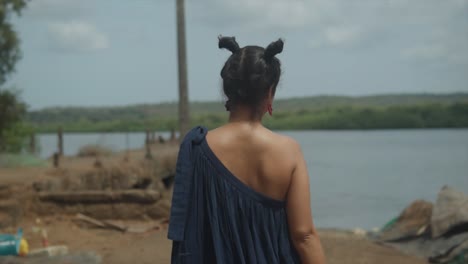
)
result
[(270, 109)]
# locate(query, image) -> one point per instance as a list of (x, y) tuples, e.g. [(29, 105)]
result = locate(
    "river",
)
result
[(358, 178)]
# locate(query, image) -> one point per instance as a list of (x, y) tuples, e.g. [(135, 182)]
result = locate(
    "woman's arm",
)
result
[(301, 227)]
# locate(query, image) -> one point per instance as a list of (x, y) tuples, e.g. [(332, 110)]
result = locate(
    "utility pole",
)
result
[(184, 118)]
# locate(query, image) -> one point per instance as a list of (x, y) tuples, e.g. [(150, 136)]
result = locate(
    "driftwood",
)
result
[(101, 224), (90, 220), (117, 225), (126, 196)]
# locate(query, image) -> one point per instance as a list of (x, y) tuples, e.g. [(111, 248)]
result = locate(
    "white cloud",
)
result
[(341, 35), (338, 36), (77, 36)]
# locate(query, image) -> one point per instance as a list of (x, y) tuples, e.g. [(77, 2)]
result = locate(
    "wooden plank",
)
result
[(115, 225), (125, 196), (90, 220)]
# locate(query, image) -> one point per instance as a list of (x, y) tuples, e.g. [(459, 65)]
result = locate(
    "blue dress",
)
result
[(215, 218)]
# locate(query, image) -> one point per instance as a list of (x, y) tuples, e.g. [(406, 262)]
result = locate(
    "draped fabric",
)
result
[(215, 218)]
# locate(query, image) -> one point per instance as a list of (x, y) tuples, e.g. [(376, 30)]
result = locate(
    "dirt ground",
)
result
[(152, 246)]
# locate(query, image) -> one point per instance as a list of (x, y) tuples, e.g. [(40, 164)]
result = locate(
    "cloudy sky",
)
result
[(100, 52)]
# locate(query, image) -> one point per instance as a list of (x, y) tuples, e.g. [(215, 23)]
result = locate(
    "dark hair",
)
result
[(249, 72)]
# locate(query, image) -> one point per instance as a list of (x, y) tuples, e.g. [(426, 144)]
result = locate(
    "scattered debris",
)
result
[(115, 225), (14, 245), (51, 251), (412, 222), (437, 232), (90, 220), (450, 211), (119, 225), (359, 232)]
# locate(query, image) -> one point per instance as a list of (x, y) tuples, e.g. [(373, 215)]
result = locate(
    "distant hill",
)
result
[(163, 115)]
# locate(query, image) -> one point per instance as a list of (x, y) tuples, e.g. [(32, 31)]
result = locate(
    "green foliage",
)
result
[(16, 138), (9, 42), (418, 116), (320, 112), (11, 109), (13, 133)]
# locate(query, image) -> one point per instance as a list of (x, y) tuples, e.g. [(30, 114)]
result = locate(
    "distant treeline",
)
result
[(324, 112)]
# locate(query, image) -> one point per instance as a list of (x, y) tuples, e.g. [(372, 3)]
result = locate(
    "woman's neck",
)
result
[(245, 115)]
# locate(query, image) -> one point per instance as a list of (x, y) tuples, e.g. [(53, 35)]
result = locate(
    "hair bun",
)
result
[(228, 43), (274, 48)]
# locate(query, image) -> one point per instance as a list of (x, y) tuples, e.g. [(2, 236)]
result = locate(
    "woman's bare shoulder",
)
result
[(287, 144), (285, 153), (283, 139)]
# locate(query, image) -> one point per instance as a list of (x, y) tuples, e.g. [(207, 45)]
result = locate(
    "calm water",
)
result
[(358, 178)]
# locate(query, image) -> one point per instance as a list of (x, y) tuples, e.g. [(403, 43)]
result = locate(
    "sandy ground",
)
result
[(153, 247)]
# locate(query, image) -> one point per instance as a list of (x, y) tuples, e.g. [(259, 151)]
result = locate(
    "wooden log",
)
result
[(126, 196)]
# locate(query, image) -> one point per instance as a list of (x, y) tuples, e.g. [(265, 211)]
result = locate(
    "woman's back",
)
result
[(226, 220), (259, 158)]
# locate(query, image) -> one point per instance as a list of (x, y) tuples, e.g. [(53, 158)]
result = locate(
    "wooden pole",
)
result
[(60, 141), (56, 160), (147, 137), (32, 143), (173, 136), (184, 118), (148, 145), (127, 147)]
